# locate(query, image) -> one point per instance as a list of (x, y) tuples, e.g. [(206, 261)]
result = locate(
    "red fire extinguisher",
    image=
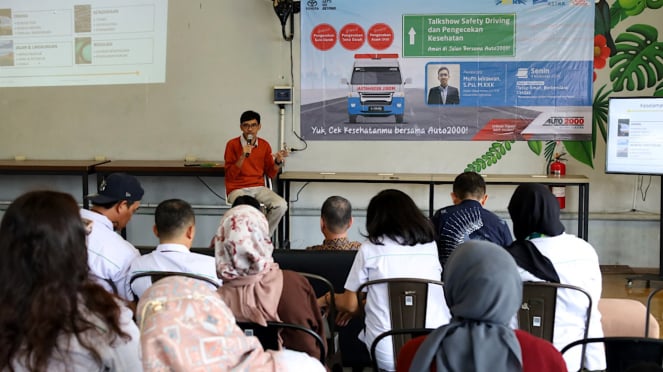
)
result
[(558, 169)]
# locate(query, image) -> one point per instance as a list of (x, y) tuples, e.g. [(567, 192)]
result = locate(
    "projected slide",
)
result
[(68, 42), (635, 135)]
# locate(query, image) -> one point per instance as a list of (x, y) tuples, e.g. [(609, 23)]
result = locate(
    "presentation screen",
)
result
[(89, 42), (635, 135)]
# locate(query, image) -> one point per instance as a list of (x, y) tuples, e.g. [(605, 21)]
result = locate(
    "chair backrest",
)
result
[(408, 299), (410, 332), (331, 315), (269, 335), (622, 353), (651, 296), (333, 266), (158, 275), (537, 312)]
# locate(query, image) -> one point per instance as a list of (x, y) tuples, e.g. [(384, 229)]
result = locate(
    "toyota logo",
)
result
[(312, 3)]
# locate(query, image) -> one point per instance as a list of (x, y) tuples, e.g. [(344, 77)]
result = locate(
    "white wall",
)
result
[(223, 58)]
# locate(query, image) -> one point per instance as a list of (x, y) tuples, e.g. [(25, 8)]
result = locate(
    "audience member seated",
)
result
[(544, 252), (467, 218), (483, 289), (335, 221), (248, 200), (401, 244), (255, 288), (54, 316), (110, 256), (185, 326), (243, 200), (175, 226)]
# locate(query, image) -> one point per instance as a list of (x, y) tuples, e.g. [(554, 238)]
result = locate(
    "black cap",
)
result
[(117, 187)]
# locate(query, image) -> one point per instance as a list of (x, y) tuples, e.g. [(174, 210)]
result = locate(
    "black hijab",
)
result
[(534, 209)]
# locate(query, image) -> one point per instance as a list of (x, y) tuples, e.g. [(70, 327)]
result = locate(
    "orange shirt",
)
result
[(251, 174)]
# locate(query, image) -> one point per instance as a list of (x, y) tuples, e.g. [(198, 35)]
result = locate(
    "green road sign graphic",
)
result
[(459, 35)]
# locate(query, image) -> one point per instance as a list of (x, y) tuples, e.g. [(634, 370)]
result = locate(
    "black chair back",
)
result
[(155, 276), (333, 266), (626, 353), (269, 335), (409, 332)]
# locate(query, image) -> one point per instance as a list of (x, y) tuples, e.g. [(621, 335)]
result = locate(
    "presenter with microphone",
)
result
[(248, 159)]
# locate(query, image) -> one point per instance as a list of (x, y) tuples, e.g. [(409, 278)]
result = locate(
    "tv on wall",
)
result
[(635, 135)]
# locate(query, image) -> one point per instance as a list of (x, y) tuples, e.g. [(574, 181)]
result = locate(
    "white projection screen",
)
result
[(78, 42)]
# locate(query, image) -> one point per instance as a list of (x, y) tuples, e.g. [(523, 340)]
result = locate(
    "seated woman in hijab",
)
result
[(401, 244), (54, 317), (185, 326), (255, 288), (484, 291), (544, 252)]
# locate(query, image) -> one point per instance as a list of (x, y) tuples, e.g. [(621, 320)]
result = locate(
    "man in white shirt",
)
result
[(109, 255), (175, 226)]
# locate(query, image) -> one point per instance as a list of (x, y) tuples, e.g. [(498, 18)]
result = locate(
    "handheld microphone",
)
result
[(249, 139)]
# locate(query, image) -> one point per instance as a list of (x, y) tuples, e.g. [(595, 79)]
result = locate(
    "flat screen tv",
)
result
[(635, 135)]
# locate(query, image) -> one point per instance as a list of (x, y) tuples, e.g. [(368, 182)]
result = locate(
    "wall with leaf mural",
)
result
[(628, 61)]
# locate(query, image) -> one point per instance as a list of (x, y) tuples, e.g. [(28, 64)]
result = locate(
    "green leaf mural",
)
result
[(494, 153), (600, 115), (636, 65), (581, 151), (549, 151), (654, 4), (535, 146)]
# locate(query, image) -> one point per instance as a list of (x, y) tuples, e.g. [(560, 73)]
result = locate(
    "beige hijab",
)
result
[(185, 326), (252, 282)]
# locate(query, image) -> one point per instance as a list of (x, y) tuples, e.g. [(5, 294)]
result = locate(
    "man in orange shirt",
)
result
[(247, 160)]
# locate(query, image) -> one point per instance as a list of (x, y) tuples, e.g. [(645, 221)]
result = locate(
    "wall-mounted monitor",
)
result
[(635, 135)]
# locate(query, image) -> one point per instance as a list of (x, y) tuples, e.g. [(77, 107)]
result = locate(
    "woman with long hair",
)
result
[(401, 244), (53, 317)]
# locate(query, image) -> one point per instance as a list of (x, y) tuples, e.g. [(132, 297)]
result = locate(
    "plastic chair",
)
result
[(622, 353), (537, 312), (155, 276), (269, 335), (408, 299)]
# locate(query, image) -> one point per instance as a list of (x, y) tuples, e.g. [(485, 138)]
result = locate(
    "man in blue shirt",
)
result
[(466, 219)]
